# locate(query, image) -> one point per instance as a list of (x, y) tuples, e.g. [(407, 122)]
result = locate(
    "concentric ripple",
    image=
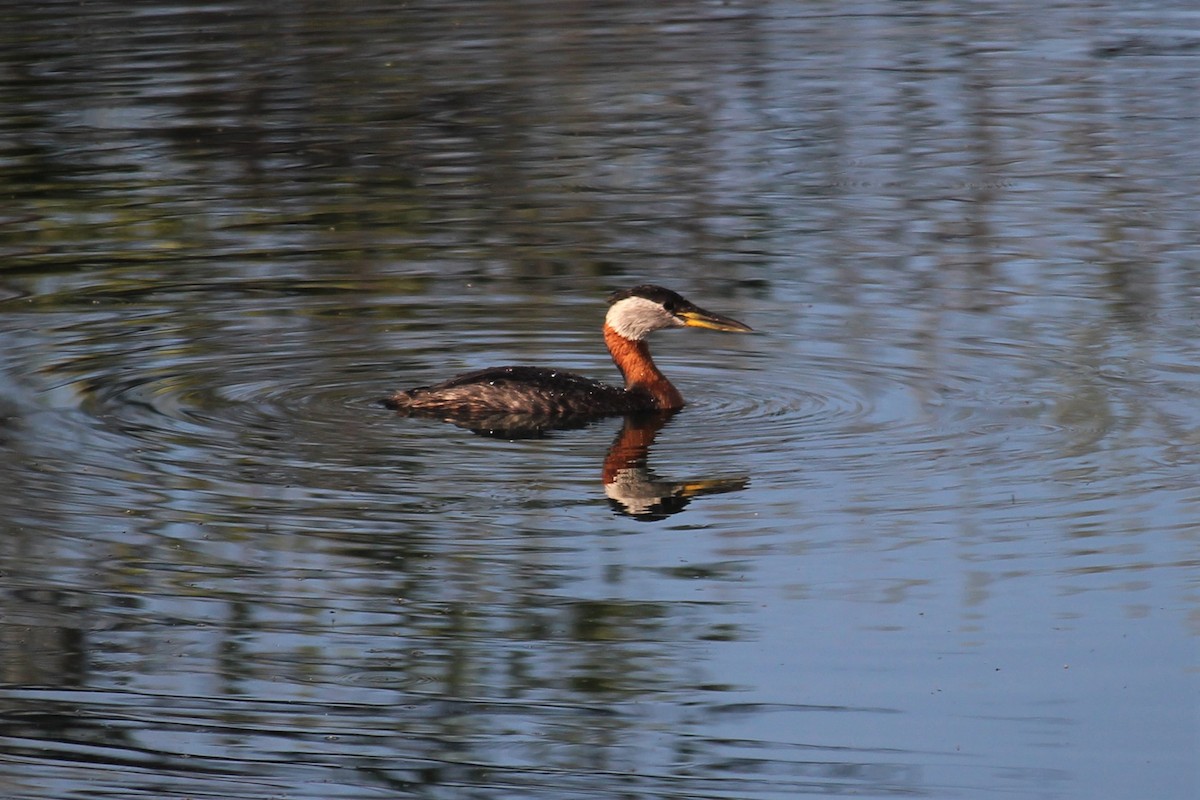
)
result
[(281, 406)]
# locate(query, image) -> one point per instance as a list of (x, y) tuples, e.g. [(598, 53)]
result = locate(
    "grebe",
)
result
[(633, 314)]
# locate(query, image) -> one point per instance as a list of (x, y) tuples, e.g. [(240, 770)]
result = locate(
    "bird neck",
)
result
[(632, 357)]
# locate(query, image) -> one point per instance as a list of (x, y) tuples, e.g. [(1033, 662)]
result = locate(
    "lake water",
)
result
[(933, 530)]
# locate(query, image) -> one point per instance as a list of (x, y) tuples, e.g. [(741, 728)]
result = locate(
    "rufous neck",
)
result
[(632, 357)]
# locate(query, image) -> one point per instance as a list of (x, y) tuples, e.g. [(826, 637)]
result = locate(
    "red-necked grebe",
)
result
[(633, 314)]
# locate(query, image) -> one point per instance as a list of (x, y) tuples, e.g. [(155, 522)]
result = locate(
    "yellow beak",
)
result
[(699, 318)]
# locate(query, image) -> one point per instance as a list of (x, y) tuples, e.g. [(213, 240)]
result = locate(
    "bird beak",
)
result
[(699, 318)]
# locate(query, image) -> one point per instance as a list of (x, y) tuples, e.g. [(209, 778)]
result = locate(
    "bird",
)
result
[(553, 394)]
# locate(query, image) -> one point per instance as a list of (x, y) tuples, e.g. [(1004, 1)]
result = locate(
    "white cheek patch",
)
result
[(635, 317)]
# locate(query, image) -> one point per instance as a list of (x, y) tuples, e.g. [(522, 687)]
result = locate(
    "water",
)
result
[(931, 531)]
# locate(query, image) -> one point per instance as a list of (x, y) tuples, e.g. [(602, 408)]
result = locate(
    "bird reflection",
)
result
[(633, 488)]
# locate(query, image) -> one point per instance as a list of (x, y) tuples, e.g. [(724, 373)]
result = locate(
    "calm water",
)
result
[(933, 531)]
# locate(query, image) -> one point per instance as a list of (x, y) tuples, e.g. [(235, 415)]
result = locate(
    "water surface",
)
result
[(931, 531)]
